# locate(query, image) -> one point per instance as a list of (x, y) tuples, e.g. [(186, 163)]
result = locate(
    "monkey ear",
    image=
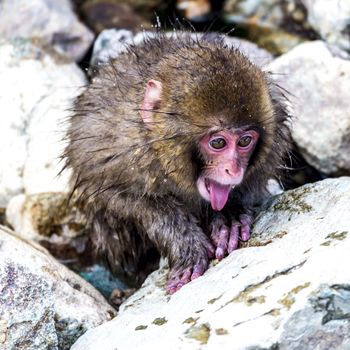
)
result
[(151, 99)]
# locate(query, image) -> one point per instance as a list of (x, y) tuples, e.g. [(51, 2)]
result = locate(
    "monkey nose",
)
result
[(231, 171)]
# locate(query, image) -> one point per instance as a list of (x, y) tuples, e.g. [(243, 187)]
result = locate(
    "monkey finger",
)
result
[(245, 228), (245, 233), (216, 225), (210, 250), (171, 288), (178, 279), (184, 279), (234, 237), (173, 274), (199, 268), (221, 248)]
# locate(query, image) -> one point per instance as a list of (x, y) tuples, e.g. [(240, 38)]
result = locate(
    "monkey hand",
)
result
[(226, 233), (192, 264)]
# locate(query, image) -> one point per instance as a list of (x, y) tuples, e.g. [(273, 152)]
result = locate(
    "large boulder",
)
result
[(43, 305), (331, 20), (111, 42), (52, 21), (288, 290), (37, 88), (318, 83)]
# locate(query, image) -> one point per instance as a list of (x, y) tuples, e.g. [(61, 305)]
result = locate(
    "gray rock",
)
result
[(319, 86), (289, 291), (275, 25), (265, 13), (111, 42), (36, 89), (331, 20), (43, 305), (45, 216), (50, 20)]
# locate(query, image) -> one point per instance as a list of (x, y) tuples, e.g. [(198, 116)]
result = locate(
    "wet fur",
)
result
[(138, 183)]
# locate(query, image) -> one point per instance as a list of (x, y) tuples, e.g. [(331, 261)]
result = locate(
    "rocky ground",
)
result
[(287, 289)]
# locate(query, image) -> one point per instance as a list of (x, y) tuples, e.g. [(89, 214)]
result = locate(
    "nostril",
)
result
[(227, 171)]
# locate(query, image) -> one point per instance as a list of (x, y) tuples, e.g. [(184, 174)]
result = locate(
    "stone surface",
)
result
[(36, 89), (60, 226), (289, 289), (330, 20), (110, 43), (319, 86), (106, 14), (43, 305), (268, 13), (54, 222), (275, 25), (50, 20), (41, 215)]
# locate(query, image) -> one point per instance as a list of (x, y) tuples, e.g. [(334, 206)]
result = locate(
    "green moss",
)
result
[(288, 300), (255, 300), (293, 202), (246, 297), (200, 333), (212, 301), (191, 320), (338, 236), (221, 331), (159, 321)]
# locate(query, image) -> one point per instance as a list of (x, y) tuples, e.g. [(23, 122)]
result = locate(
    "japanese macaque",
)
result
[(171, 147)]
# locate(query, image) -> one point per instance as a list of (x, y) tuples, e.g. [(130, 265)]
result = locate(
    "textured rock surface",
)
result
[(52, 21), (319, 86), (103, 14), (112, 42), (268, 13), (36, 89), (41, 215), (274, 25), (331, 20), (289, 291), (43, 305)]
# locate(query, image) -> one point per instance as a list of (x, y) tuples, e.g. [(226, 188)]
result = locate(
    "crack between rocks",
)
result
[(267, 279)]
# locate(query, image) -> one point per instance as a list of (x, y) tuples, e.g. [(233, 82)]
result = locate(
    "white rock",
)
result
[(50, 20), (111, 42), (264, 13), (331, 19), (291, 292), (319, 86), (36, 89), (43, 305)]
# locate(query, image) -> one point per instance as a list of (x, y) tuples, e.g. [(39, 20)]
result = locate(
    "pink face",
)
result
[(227, 154)]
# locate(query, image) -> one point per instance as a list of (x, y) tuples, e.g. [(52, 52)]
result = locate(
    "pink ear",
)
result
[(152, 97)]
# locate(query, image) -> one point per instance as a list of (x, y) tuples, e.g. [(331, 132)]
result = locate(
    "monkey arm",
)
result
[(174, 231)]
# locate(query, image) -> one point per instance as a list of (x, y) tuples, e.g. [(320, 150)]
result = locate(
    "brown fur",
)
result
[(138, 183)]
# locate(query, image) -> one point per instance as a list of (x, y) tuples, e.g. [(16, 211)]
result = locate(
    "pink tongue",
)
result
[(218, 194)]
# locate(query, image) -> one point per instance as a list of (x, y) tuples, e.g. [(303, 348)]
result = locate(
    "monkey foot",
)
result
[(226, 238), (178, 277)]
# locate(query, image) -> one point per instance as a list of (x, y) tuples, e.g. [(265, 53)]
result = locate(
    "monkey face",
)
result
[(226, 154)]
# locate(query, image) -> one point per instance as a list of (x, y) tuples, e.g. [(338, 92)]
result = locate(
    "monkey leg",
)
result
[(226, 234), (118, 244)]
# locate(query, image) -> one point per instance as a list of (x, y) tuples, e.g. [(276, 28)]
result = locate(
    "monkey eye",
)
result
[(244, 141), (218, 143)]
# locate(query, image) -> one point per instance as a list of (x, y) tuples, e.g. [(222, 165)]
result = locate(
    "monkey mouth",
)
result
[(214, 192)]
